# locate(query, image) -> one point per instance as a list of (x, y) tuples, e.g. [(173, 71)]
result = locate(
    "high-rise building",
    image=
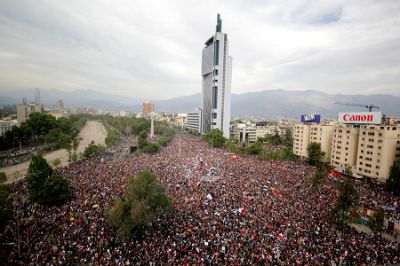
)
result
[(216, 88), (147, 109), (59, 106), (37, 96), (378, 149), (193, 120), (24, 110)]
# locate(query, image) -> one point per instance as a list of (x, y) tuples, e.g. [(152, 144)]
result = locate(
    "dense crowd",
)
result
[(246, 211)]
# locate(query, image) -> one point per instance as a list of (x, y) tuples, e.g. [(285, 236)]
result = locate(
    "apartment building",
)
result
[(24, 110), (378, 149), (322, 134), (301, 139), (344, 145)]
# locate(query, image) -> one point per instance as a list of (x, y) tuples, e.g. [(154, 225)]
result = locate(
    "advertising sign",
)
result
[(310, 118), (360, 118)]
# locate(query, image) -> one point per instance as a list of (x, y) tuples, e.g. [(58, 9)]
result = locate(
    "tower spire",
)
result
[(219, 23)]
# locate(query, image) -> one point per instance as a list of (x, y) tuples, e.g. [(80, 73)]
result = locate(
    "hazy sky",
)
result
[(153, 48)]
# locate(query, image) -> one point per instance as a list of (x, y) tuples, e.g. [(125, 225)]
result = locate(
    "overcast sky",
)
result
[(152, 49)]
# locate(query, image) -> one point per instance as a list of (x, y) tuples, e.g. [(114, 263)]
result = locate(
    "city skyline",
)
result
[(152, 49)]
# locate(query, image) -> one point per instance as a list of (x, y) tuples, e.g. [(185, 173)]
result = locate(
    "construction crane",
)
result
[(368, 106)]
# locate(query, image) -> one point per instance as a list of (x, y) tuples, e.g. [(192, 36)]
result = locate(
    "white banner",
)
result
[(360, 118)]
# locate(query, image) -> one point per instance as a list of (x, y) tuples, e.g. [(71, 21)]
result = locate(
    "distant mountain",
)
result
[(267, 103), (282, 103)]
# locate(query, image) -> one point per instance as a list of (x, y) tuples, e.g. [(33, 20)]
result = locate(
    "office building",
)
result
[(24, 110), (147, 109), (216, 82), (37, 96), (193, 120)]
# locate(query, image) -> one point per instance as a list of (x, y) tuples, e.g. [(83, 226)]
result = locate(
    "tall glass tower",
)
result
[(217, 75)]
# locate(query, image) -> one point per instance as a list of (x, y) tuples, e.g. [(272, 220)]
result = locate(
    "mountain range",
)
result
[(267, 103)]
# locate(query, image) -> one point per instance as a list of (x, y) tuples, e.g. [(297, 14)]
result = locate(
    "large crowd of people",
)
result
[(227, 210)]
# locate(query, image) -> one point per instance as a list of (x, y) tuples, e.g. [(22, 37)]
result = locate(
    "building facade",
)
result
[(147, 109), (216, 82), (344, 145), (193, 120), (378, 149), (301, 140), (24, 110), (6, 125)]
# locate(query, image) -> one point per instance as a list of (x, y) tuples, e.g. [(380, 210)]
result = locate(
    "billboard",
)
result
[(310, 118), (360, 118)]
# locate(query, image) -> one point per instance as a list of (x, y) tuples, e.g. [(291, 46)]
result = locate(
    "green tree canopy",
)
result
[(39, 170), (151, 148), (144, 200), (393, 182), (5, 205), (142, 139), (346, 200), (92, 149), (215, 138), (314, 153), (54, 191), (3, 177)]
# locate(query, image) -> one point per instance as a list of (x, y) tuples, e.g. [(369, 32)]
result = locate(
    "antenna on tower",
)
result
[(219, 23)]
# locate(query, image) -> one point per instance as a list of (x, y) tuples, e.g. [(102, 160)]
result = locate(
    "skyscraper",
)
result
[(217, 75), (147, 109), (37, 96)]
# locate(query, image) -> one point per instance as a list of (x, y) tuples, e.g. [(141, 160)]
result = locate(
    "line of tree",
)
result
[(41, 128), (144, 200), (165, 133), (283, 147)]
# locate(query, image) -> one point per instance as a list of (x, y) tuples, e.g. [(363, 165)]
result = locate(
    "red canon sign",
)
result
[(360, 118)]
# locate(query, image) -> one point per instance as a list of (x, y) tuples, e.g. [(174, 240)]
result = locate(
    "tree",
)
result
[(43, 186), (215, 138), (3, 177), (288, 139), (314, 153), (151, 148), (376, 221), (347, 198), (319, 176), (142, 139), (112, 137), (39, 170), (54, 191), (393, 182), (143, 201), (56, 162), (92, 149), (6, 208)]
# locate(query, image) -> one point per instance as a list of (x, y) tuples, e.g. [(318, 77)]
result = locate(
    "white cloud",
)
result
[(153, 48)]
